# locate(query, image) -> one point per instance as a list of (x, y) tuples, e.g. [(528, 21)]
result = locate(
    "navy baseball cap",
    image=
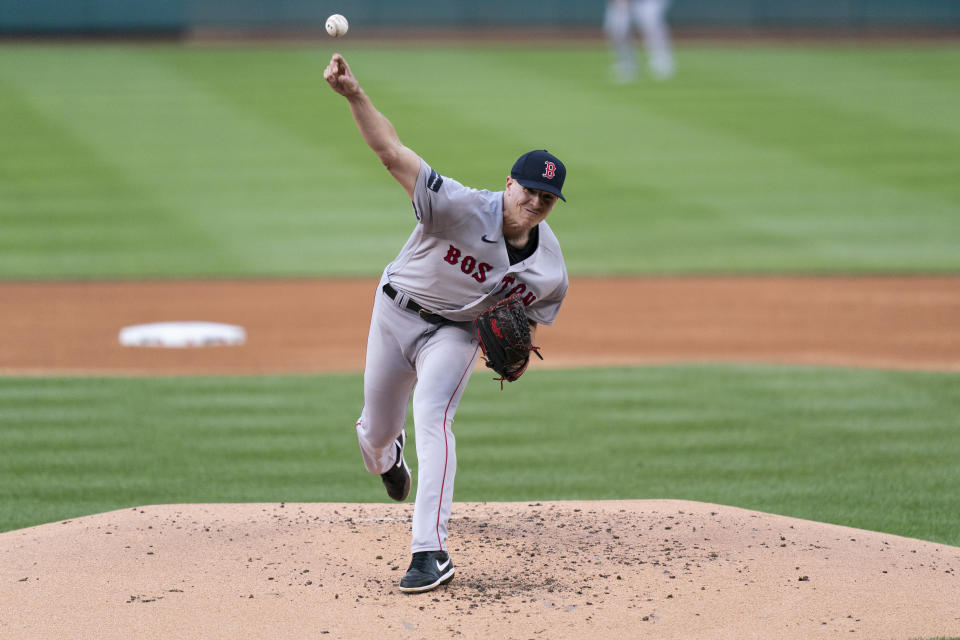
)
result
[(541, 170)]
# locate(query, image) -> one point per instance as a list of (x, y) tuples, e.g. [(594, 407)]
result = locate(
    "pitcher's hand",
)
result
[(340, 78)]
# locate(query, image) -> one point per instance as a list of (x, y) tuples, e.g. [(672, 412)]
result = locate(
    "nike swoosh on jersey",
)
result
[(441, 567), (484, 238)]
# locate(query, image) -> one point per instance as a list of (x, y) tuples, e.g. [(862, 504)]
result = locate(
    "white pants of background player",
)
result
[(404, 351), (649, 16)]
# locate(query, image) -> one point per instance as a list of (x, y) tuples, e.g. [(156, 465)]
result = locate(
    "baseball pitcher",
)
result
[(436, 310)]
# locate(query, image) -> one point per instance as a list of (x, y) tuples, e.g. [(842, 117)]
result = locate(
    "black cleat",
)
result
[(428, 570), (397, 478)]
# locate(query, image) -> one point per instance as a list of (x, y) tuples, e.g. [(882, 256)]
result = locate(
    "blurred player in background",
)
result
[(650, 17)]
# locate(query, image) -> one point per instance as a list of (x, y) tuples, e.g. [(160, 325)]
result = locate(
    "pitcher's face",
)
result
[(525, 208)]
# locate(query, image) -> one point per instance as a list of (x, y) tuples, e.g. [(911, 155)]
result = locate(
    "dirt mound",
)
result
[(664, 569)]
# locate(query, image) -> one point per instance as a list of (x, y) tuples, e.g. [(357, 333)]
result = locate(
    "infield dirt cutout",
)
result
[(608, 569)]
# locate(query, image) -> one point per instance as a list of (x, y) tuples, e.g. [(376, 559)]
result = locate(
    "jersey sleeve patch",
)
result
[(435, 181)]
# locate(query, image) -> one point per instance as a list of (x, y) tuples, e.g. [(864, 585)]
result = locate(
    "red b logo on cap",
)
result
[(551, 171)]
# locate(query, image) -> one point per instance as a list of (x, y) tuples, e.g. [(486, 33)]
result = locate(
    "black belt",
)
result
[(413, 306)]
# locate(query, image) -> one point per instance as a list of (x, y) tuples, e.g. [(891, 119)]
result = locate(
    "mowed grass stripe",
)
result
[(842, 129), (261, 199), (256, 164), (683, 164), (765, 198), (904, 85), (165, 452), (870, 449), (65, 211)]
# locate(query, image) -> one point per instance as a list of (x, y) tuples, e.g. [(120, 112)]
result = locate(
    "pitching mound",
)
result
[(656, 568)]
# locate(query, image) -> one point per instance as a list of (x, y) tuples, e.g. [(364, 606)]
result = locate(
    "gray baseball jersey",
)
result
[(455, 262)]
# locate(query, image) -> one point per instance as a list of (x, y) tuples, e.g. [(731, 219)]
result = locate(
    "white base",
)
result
[(179, 335)]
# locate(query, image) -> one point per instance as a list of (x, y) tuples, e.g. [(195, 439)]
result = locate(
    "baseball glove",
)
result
[(504, 335)]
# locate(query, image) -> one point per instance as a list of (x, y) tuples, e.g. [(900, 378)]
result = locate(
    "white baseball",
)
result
[(337, 25)]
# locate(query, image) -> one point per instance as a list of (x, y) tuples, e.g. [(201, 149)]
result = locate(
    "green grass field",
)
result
[(132, 161), (135, 161), (874, 450)]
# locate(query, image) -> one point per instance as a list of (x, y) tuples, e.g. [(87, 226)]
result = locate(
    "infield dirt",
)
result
[(306, 326), (634, 569)]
